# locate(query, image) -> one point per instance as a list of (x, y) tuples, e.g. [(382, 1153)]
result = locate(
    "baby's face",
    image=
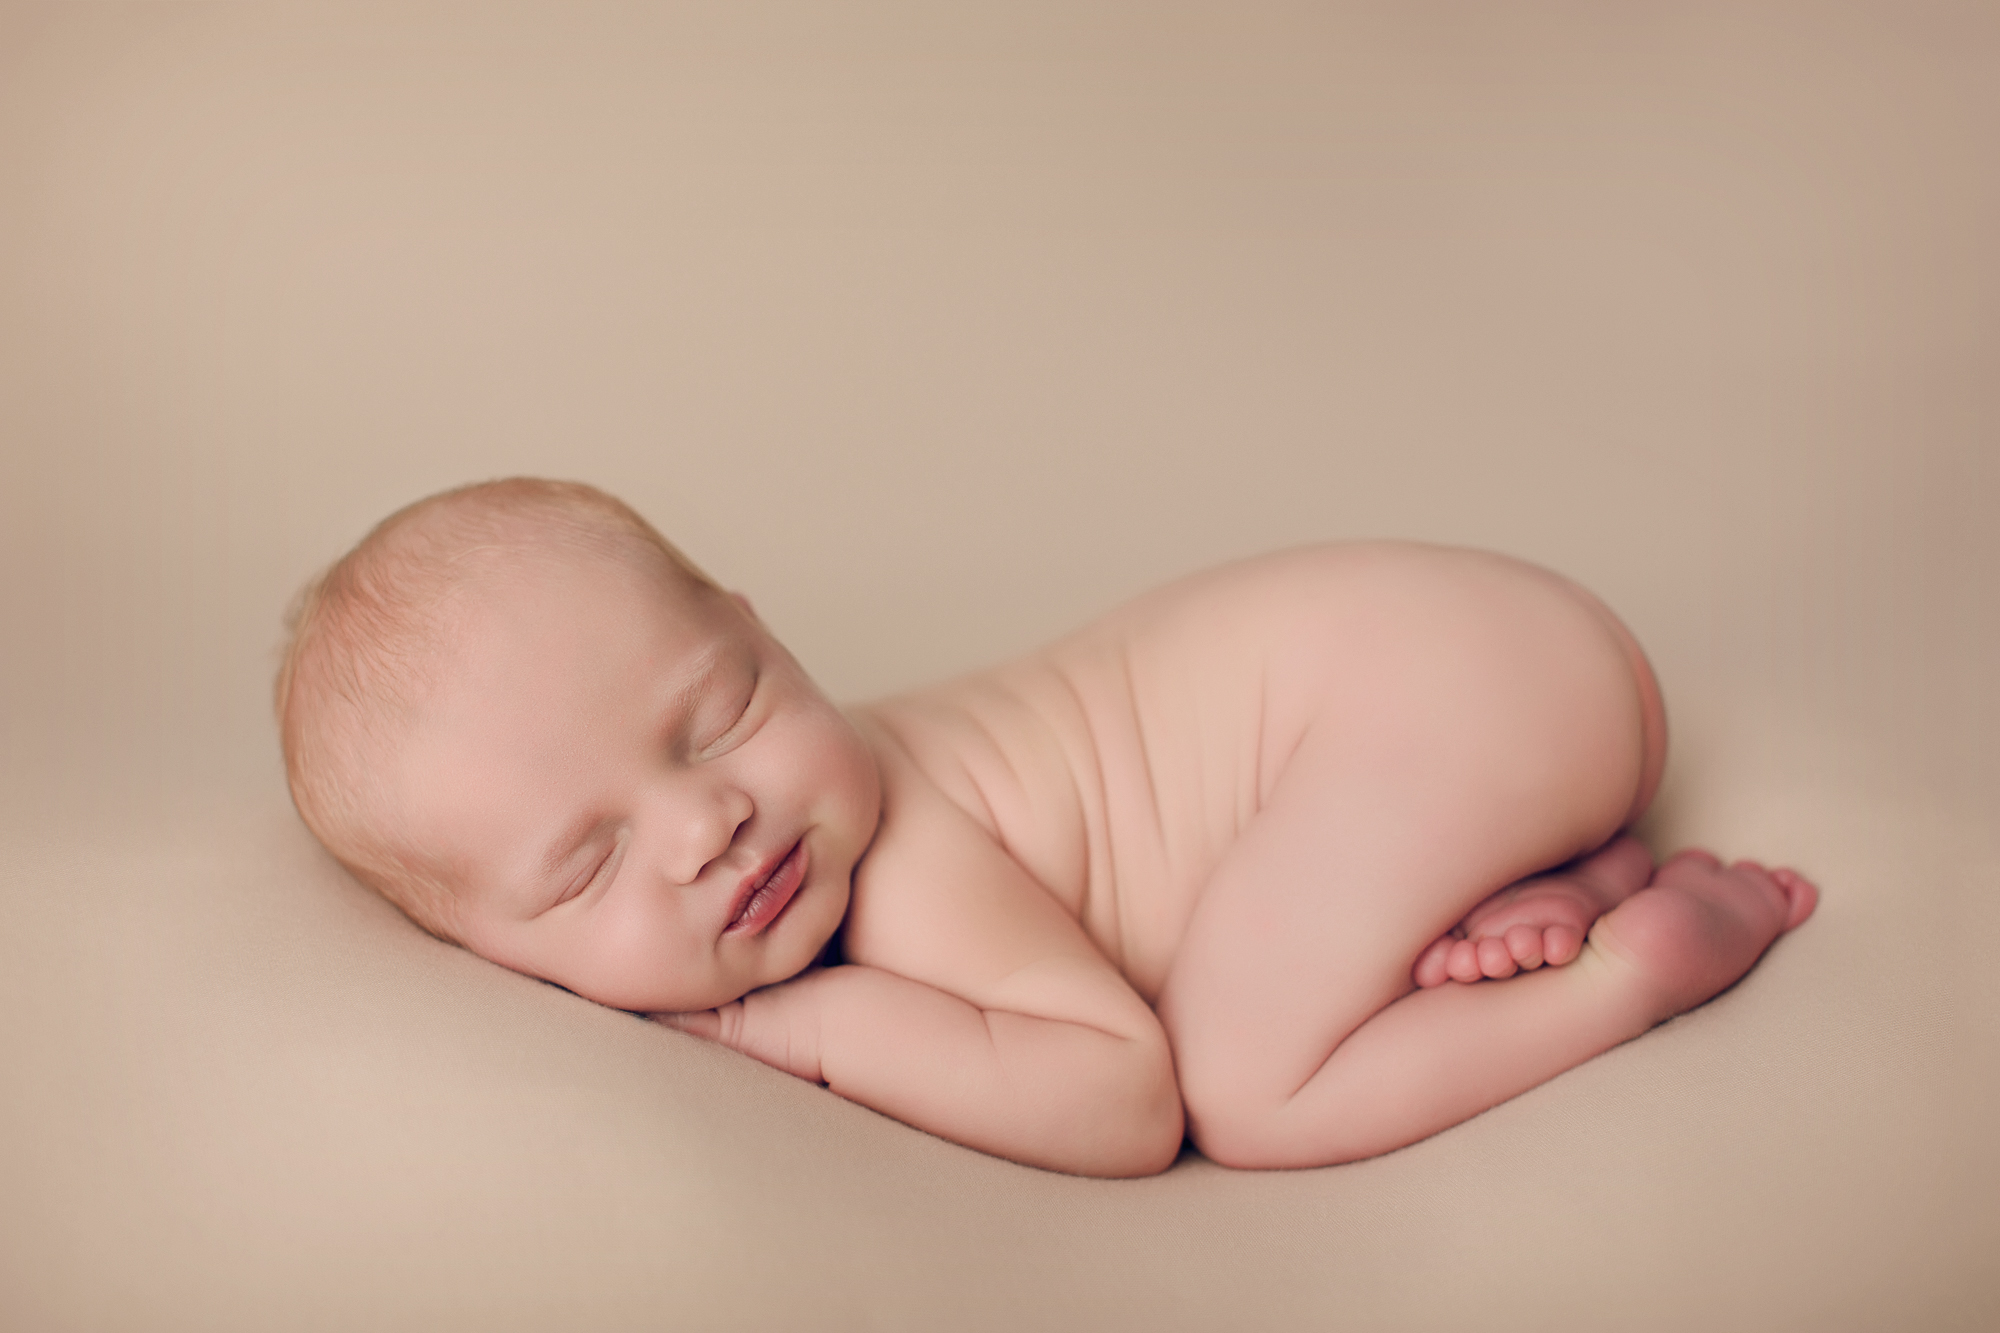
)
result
[(633, 790)]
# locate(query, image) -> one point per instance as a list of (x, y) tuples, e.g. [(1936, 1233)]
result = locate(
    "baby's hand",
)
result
[(778, 1025)]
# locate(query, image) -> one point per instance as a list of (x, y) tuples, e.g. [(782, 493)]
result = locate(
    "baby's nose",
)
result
[(708, 821)]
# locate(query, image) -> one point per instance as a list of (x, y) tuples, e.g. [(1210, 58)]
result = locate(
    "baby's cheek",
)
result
[(855, 780), (641, 953)]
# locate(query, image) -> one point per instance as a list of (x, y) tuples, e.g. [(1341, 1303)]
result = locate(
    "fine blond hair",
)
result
[(364, 645)]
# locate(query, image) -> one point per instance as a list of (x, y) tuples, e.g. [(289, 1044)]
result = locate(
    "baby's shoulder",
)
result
[(937, 861)]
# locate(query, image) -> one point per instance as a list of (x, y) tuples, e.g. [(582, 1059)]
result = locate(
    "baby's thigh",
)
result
[(1479, 723)]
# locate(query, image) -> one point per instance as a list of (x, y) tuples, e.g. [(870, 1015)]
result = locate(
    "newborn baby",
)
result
[(1310, 856)]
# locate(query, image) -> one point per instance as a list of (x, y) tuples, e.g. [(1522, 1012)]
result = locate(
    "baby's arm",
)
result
[(978, 1008), (1051, 1091)]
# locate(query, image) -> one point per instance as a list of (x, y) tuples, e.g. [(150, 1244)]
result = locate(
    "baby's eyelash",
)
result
[(595, 875), (576, 890), (736, 722)]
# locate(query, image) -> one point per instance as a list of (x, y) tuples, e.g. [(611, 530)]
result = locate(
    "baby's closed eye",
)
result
[(727, 716), (598, 870)]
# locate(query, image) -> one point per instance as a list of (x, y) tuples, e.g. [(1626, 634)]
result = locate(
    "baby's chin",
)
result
[(650, 1000)]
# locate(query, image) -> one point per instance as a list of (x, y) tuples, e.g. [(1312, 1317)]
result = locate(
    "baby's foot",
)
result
[(1539, 920), (1700, 924)]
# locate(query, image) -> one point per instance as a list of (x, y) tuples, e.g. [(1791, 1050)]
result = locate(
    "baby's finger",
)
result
[(701, 1022)]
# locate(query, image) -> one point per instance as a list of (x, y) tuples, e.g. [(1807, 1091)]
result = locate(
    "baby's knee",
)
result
[(1233, 1127), (1228, 1141), (1249, 1136)]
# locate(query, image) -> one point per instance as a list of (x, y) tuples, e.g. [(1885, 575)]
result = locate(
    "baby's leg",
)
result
[(1495, 737)]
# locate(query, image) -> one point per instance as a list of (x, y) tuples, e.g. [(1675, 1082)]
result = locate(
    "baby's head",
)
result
[(522, 716)]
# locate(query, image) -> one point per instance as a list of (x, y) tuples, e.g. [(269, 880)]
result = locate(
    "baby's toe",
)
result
[(1524, 943), (1463, 961), (1561, 945), (1430, 969), (1801, 895), (1495, 960), (1778, 895)]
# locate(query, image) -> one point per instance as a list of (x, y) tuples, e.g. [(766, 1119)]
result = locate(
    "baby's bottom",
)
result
[(1505, 728)]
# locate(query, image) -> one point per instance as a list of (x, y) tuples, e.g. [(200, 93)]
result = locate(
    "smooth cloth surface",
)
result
[(936, 332)]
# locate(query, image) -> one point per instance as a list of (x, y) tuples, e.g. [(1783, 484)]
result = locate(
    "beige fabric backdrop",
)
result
[(938, 329)]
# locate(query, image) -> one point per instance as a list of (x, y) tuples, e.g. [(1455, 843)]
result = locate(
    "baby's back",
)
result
[(1118, 764)]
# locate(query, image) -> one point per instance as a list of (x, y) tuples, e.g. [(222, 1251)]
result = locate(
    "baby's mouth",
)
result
[(771, 895)]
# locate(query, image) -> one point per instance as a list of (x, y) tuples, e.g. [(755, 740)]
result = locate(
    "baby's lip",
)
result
[(767, 891)]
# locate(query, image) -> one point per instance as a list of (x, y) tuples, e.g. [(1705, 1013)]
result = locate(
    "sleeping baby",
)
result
[(1305, 858)]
